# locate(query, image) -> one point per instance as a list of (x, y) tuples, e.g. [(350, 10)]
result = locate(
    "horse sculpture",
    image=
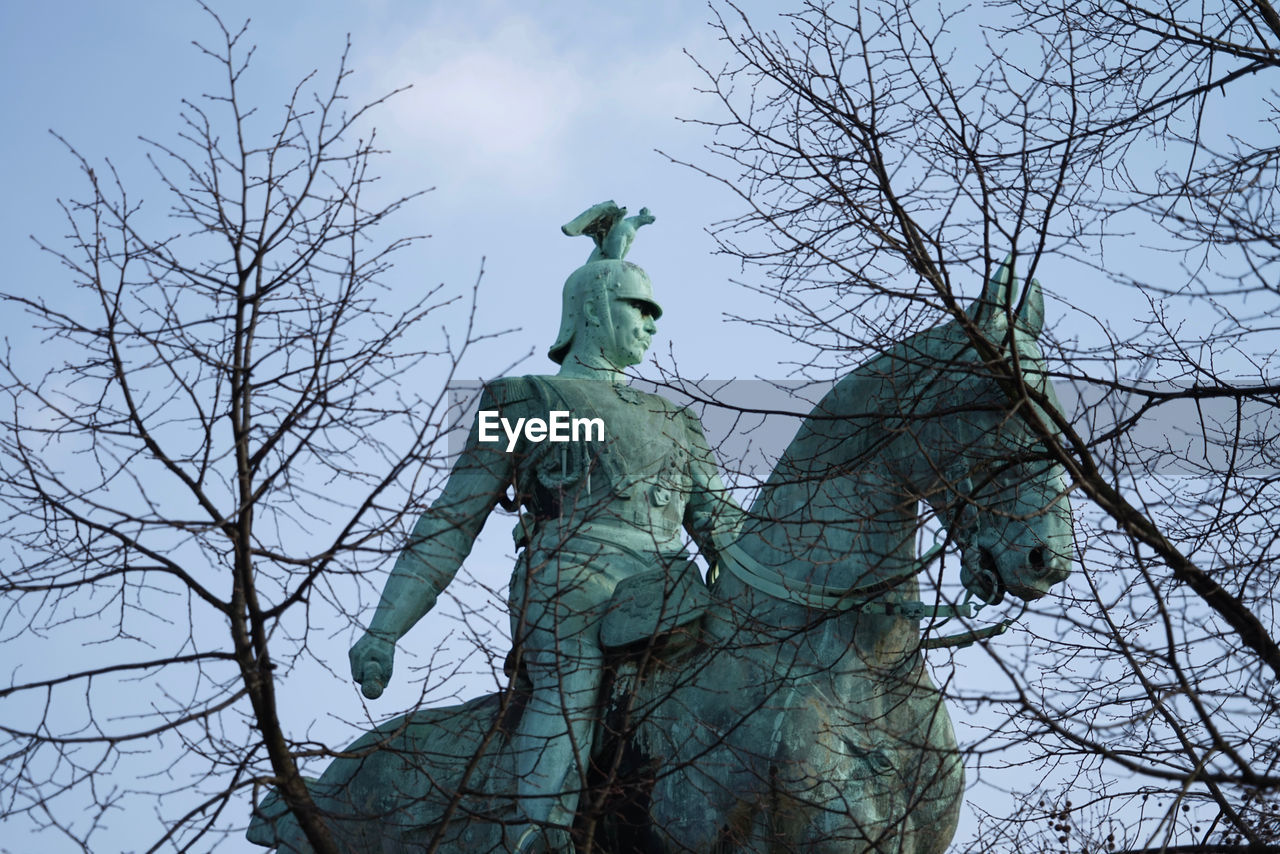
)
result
[(803, 717)]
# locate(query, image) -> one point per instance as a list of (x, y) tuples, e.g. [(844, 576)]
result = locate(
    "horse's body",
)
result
[(803, 720)]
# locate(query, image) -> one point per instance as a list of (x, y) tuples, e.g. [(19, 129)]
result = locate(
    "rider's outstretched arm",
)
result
[(440, 542)]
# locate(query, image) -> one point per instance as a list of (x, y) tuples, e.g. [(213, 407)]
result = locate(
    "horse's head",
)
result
[(980, 463)]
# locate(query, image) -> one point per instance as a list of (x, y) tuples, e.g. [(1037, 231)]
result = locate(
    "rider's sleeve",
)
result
[(444, 535), (711, 516)]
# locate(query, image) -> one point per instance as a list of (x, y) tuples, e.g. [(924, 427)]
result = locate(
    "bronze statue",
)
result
[(595, 513), (801, 717)]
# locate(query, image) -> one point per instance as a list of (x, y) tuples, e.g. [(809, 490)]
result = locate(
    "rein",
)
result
[(770, 581)]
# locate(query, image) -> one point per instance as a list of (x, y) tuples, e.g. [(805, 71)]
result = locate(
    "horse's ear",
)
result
[(995, 296), (1031, 314)]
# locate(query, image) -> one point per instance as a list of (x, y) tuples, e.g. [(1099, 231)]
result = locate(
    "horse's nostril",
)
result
[(1037, 561), (987, 560)]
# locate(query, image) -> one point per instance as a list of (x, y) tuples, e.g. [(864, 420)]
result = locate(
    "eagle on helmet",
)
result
[(606, 274)]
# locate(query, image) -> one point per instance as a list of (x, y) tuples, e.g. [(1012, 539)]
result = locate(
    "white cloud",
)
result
[(523, 102)]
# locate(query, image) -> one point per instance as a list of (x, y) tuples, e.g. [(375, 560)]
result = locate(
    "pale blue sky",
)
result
[(521, 115)]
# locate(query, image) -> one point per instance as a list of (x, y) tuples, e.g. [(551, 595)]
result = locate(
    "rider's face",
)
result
[(633, 328)]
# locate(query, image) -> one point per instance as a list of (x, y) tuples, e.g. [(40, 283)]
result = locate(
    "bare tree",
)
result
[(229, 447), (221, 454), (890, 153)]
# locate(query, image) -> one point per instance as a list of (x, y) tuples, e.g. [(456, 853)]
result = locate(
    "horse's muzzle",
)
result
[(989, 571)]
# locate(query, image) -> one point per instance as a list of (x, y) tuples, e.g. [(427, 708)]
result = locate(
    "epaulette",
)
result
[(691, 418), (510, 391)]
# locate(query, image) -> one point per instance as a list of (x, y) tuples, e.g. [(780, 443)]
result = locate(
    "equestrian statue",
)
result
[(783, 704)]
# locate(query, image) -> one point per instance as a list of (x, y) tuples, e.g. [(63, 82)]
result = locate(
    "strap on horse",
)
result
[(770, 581)]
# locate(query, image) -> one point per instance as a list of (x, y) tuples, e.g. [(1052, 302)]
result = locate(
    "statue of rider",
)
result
[(596, 510)]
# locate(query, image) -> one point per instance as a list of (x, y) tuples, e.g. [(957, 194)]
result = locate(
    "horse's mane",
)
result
[(855, 406)]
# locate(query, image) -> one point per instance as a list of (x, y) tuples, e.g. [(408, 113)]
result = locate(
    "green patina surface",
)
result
[(785, 707)]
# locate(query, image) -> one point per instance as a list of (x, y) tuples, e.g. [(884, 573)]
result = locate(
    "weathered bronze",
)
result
[(784, 708)]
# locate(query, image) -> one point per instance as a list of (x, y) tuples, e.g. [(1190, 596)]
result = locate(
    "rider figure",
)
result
[(596, 512)]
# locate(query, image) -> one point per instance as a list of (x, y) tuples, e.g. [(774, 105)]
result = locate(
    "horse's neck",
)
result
[(833, 644), (836, 533), (817, 523), (834, 513)]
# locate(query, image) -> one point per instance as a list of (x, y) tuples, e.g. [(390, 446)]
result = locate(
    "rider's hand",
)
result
[(372, 660)]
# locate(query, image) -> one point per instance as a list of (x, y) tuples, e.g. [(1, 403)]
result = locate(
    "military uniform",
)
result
[(594, 513)]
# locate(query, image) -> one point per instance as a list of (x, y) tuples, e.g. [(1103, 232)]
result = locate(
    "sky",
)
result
[(520, 115)]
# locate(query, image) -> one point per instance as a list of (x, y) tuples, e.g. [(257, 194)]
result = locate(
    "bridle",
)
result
[(735, 561)]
